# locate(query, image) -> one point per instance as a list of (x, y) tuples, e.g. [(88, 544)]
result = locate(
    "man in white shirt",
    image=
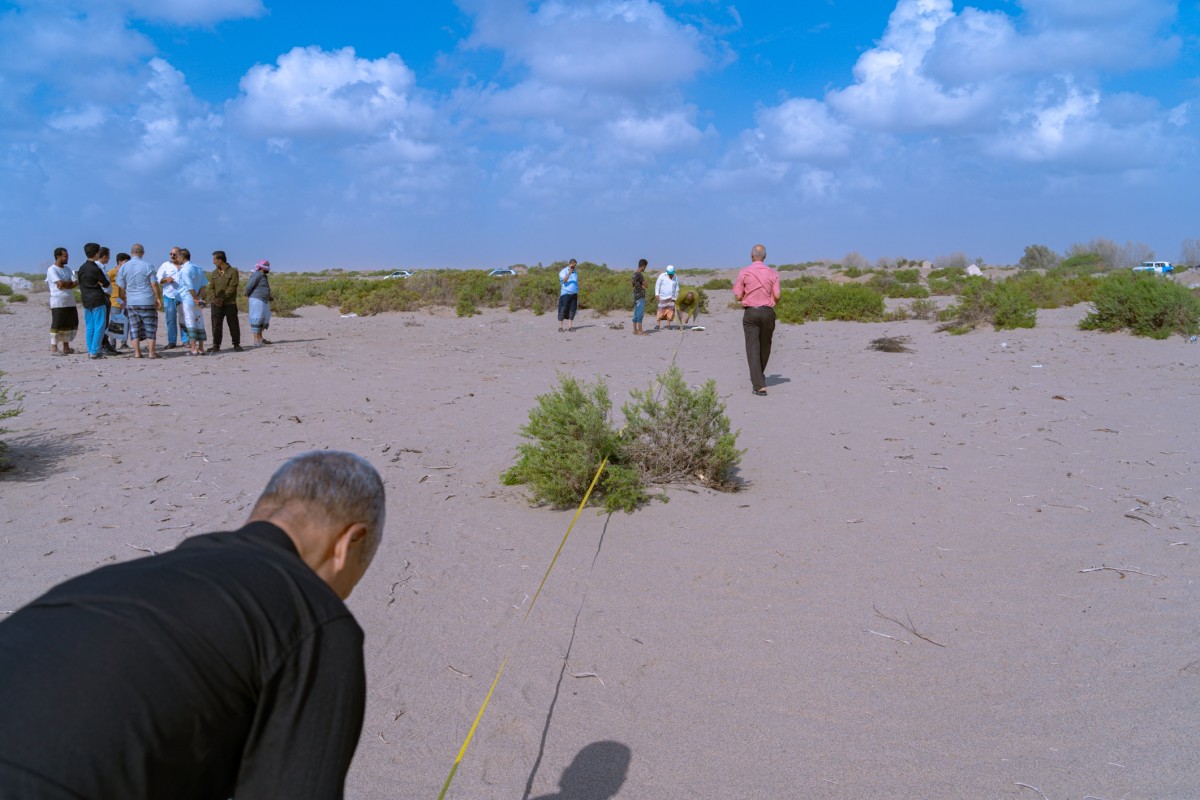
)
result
[(64, 317), (666, 289), (170, 291)]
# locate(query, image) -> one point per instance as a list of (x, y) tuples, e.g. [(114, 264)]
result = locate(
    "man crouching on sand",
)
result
[(228, 667)]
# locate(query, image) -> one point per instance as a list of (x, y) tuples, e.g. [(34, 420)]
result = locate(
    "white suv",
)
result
[(1158, 267)]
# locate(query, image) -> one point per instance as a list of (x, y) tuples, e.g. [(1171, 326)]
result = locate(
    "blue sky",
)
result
[(482, 133)]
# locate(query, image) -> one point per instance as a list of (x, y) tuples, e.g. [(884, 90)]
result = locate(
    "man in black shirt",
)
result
[(92, 282), (228, 667)]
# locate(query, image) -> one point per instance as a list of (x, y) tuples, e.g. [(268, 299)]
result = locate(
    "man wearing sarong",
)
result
[(64, 317)]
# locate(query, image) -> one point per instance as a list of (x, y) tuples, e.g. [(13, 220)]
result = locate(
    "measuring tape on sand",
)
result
[(487, 699)]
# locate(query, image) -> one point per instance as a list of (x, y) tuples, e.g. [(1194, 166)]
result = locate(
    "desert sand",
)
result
[(969, 571)]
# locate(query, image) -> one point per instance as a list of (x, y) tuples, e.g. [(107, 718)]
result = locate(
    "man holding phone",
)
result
[(568, 295)]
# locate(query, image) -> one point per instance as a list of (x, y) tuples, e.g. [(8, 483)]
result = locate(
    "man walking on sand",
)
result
[(639, 297), (227, 667), (666, 289), (64, 317), (222, 297), (138, 283), (568, 295), (757, 288)]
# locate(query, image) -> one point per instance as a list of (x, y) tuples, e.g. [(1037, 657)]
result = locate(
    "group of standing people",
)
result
[(122, 304)]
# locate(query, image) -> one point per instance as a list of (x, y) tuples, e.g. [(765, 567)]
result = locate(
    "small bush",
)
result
[(797, 267), (5, 290), (569, 434), (685, 436), (7, 399), (906, 275), (717, 284), (947, 281), (923, 308), (824, 300), (1002, 305), (1146, 304), (18, 298), (887, 285)]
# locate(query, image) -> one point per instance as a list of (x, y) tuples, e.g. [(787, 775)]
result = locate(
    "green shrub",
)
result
[(717, 284), (855, 272), (887, 285), (947, 281), (803, 280), (1003, 305), (923, 308), (18, 298), (1011, 307), (7, 399), (569, 434), (796, 267), (825, 300), (5, 290), (1146, 304), (685, 436), (906, 275), (1055, 289), (1081, 264)]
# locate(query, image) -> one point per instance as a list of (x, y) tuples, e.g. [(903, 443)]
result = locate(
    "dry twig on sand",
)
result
[(909, 627), (1027, 786), (1122, 570)]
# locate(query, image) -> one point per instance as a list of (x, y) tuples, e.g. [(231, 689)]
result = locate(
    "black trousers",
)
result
[(758, 325), (228, 312)]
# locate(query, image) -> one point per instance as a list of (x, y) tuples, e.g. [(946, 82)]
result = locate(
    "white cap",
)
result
[(670, 269)]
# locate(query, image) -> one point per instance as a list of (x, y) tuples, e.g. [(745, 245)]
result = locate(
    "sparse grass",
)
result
[(923, 308)]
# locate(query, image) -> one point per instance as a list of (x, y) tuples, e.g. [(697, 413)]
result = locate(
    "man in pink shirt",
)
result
[(757, 289)]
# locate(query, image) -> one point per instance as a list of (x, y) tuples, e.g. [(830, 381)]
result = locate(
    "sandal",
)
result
[(761, 392)]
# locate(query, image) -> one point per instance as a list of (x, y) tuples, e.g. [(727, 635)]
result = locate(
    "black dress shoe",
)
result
[(214, 349), (237, 348)]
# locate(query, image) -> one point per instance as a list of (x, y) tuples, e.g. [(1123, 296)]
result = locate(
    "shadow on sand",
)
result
[(597, 773), (36, 456)]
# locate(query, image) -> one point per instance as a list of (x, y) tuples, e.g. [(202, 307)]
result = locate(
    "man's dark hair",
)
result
[(91, 250), (122, 258), (104, 251), (185, 254), (219, 254), (60, 251), (643, 263)]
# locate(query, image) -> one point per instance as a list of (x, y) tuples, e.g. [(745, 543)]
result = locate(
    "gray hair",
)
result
[(342, 486), (758, 253)]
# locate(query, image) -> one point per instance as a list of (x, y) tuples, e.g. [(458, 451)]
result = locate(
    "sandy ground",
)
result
[(720, 645)]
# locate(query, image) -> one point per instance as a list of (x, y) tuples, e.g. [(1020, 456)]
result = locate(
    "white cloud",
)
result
[(611, 46), (1076, 127), (801, 129), (311, 92), (655, 134), (892, 91)]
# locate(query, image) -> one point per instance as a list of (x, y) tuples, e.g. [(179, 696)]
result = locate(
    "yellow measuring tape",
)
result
[(462, 751)]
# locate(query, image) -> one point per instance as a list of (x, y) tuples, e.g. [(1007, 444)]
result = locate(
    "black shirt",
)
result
[(92, 281), (223, 668), (639, 286)]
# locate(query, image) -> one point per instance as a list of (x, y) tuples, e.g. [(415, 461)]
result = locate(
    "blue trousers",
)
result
[(93, 320), (171, 314), (639, 310)]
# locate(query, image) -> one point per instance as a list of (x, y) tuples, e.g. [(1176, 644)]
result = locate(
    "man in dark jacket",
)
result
[(92, 283), (228, 667), (222, 296)]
